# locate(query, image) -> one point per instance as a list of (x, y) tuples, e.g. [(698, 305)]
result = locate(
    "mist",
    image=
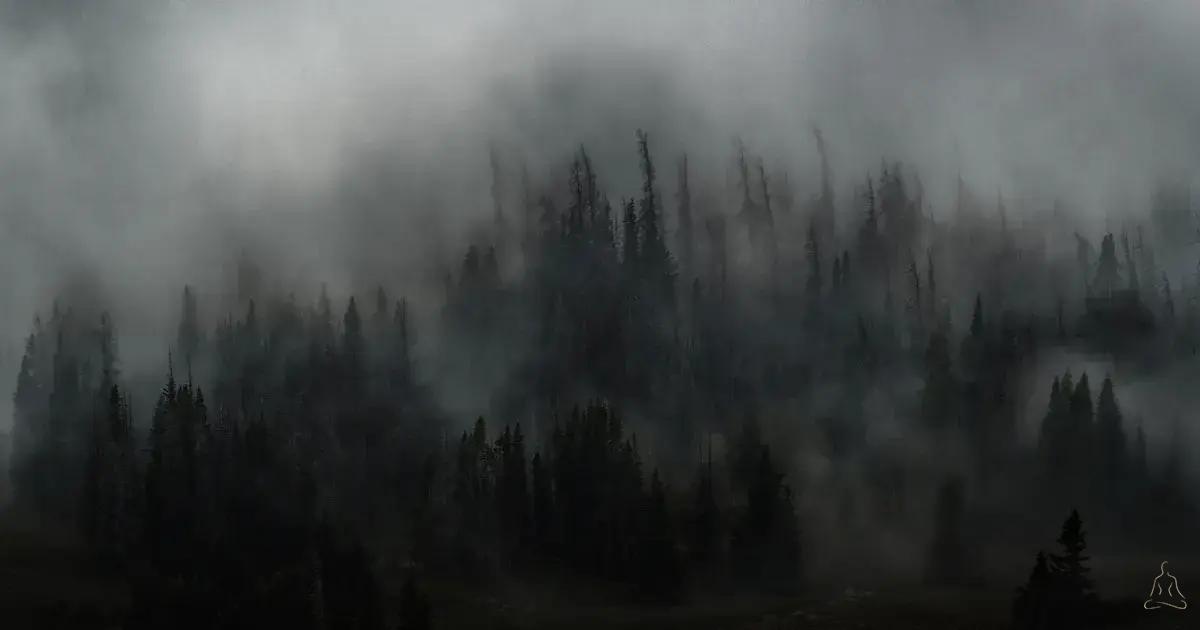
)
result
[(339, 147), (135, 136)]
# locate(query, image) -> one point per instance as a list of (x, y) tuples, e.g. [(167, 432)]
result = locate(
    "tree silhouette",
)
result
[(948, 562), (1031, 610), (1059, 591), (1110, 436)]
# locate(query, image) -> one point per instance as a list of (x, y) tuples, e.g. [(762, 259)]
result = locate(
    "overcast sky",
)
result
[(143, 143)]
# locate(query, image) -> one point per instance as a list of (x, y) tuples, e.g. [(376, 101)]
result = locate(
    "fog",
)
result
[(144, 144)]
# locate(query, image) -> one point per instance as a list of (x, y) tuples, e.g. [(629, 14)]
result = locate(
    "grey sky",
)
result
[(142, 143)]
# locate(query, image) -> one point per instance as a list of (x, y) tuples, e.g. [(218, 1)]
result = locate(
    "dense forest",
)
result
[(683, 399)]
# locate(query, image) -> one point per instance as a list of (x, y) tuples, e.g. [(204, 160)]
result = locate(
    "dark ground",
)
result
[(47, 581)]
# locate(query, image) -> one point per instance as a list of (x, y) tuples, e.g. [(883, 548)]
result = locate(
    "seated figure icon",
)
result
[(1165, 592)]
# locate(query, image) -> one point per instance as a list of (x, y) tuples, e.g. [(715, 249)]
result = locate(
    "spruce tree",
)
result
[(939, 396), (1080, 435), (686, 239), (947, 562), (660, 570), (1110, 435), (1073, 586), (352, 344), (542, 503), (189, 328), (812, 249), (1031, 610), (705, 517)]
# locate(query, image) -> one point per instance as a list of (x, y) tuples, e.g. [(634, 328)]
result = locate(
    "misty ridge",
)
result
[(400, 316)]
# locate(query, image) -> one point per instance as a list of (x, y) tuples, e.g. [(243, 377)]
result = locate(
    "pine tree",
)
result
[(1130, 267), (629, 243), (512, 486), (1139, 454), (1058, 593), (939, 396), (1110, 436), (947, 562), (379, 319), (1031, 609), (686, 239), (915, 308), (1072, 585), (500, 223), (705, 516), (825, 202), (491, 269), (403, 358), (542, 502), (766, 541), (352, 343), (658, 268), (1052, 424), (973, 347), (1080, 433), (813, 251), (189, 328), (660, 573), (769, 235), (108, 496), (1108, 278), (108, 352), (868, 232), (28, 418)]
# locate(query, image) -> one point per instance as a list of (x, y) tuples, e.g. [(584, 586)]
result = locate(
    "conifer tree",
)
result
[(686, 238), (1080, 433), (1031, 609), (403, 357), (189, 328), (660, 570), (947, 562), (705, 516), (379, 318), (658, 268), (813, 252), (768, 219), (542, 502), (1052, 424), (1108, 278), (353, 344), (1130, 267), (1110, 435), (629, 243), (868, 232), (1073, 586), (1139, 454), (939, 396), (499, 221)]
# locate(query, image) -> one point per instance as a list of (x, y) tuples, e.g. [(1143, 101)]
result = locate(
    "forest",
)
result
[(672, 425), (536, 314)]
